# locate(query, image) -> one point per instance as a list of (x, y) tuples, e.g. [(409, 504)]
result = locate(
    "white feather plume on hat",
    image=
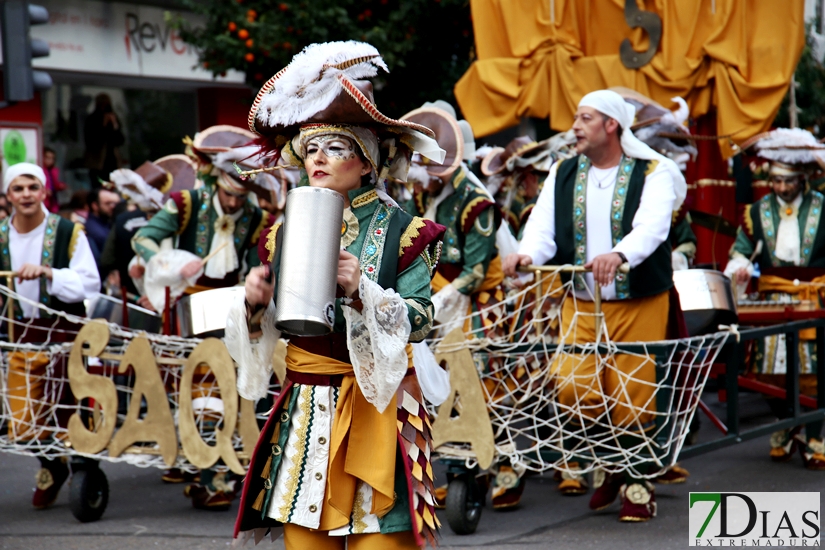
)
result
[(131, 185), (302, 91), (791, 146)]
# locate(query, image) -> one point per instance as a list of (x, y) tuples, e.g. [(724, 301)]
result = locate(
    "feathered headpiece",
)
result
[(325, 84), (793, 146)]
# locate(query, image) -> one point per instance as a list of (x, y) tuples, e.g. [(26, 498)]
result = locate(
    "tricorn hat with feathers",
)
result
[(327, 84), (793, 146)]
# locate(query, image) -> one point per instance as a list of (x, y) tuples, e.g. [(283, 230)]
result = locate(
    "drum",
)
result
[(706, 298), (204, 313), (111, 309), (308, 275)]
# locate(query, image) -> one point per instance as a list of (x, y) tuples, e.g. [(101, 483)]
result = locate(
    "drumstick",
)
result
[(212, 254)]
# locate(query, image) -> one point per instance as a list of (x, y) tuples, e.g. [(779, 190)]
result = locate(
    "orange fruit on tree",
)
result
[(250, 57), (232, 26), (243, 34)]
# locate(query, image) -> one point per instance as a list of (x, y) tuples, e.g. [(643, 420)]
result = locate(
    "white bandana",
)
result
[(226, 260), (611, 104)]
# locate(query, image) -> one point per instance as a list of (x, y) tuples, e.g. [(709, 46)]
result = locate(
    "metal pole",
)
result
[(793, 111)]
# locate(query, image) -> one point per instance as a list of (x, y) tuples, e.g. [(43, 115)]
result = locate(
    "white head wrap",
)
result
[(611, 104), (22, 169)]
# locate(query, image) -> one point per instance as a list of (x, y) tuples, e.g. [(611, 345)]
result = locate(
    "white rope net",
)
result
[(36, 401), (558, 405)]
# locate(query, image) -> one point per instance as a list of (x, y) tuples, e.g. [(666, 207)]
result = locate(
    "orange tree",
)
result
[(427, 44)]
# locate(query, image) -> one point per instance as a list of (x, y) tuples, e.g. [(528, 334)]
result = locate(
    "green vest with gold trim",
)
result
[(59, 241), (655, 274)]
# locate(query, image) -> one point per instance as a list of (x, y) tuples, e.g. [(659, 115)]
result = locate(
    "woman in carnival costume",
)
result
[(344, 459)]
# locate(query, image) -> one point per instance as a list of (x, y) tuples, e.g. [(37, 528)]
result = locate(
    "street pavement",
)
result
[(144, 513)]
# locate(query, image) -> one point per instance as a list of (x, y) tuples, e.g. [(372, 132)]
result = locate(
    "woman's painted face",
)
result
[(332, 162)]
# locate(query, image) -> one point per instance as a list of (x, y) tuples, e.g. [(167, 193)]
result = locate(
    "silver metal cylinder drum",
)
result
[(305, 304)]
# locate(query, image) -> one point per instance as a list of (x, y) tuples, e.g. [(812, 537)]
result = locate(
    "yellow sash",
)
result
[(494, 277), (362, 445), (804, 291)]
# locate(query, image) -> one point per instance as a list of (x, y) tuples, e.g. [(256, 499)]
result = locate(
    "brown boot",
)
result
[(572, 483), (48, 481), (638, 502), (508, 487), (673, 475), (606, 487), (813, 454), (204, 498)]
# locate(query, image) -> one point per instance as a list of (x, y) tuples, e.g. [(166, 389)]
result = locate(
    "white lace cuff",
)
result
[(254, 360), (377, 338)]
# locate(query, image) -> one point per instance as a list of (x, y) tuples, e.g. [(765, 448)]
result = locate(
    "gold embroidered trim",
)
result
[(73, 241), (364, 199), (270, 241), (358, 512), (294, 473), (410, 234), (748, 219), (187, 210), (651, 166), (261, 226), (469, 208), (167, 185)]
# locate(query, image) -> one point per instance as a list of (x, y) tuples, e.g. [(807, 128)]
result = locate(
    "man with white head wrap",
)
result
[(55, 267), (784, 234), (610, 205)]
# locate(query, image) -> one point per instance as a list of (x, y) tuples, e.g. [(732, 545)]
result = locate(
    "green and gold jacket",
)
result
[(471, 220), (189, 217)]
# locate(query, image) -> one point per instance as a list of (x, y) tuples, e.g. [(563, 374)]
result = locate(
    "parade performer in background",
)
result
[(515, 174), (55, 267), (147, 188), (609, 206), (344, 458), (468, 278), (218, 219), (784, 234)]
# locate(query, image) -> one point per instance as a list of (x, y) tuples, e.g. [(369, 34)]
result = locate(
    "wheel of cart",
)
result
[(89, 490), (465, 497)]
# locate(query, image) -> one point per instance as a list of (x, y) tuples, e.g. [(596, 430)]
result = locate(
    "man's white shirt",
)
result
[(71, 285), (651, 223)]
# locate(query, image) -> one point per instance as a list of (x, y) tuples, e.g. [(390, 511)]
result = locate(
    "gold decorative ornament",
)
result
[(472, 425), (84, 385), (212, 353)]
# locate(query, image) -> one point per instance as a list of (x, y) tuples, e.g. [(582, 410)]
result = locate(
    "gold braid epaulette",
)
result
[(186, 198), (261, 226), (469, 208), (270, 241), (410, 234), (73, 241), (748, 220)]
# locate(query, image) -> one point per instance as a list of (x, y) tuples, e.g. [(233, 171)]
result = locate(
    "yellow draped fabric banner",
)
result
[(537, 58)]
